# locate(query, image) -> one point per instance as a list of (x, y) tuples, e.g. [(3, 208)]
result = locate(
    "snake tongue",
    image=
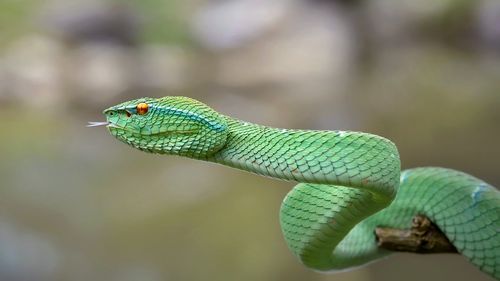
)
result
[(97, 124)]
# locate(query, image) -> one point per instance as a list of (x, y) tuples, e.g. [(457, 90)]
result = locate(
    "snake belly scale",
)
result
[(349, 182)]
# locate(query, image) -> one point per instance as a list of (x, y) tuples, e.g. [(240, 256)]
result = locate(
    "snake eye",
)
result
[(142, 108)]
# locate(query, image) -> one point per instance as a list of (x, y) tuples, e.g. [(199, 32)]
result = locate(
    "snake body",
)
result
[(349, 182)]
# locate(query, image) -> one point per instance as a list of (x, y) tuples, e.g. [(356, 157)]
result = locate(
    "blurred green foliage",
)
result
[(160, 21), (163, 21), (16, 18)]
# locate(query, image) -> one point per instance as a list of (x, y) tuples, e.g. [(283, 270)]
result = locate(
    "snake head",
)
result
[(168, 125)]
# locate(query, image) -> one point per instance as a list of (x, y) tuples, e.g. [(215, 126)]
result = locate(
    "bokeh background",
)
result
[(77, 205)]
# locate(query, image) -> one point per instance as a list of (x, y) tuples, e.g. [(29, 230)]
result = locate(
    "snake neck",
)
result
[(343, 158)]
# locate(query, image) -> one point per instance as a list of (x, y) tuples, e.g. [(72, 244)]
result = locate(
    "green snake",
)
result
[(349, 182)]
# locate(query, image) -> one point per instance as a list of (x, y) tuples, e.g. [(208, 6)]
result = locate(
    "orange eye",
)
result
[(142, 108)]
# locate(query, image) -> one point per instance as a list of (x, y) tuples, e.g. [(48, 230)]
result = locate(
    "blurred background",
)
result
[(77, 205)]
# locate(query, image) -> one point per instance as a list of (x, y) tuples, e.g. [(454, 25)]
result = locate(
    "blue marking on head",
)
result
[(191, 115)]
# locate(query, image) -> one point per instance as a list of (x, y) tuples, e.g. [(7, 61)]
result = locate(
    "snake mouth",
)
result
[(146, 132)]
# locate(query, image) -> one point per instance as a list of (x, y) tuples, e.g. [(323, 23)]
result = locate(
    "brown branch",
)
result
[(424, 237)]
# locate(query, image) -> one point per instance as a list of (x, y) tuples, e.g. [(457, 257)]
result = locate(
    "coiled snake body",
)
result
[(349, 182)]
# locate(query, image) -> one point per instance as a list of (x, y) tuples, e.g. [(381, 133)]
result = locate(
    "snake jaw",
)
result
[(145, 131), (113, 125)]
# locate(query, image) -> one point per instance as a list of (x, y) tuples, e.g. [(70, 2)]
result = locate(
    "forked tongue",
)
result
[(96, 124)]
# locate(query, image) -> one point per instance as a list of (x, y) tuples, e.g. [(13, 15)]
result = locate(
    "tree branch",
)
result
[(424, 237)]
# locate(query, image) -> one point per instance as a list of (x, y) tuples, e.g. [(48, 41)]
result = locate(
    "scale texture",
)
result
[(349, 182)]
